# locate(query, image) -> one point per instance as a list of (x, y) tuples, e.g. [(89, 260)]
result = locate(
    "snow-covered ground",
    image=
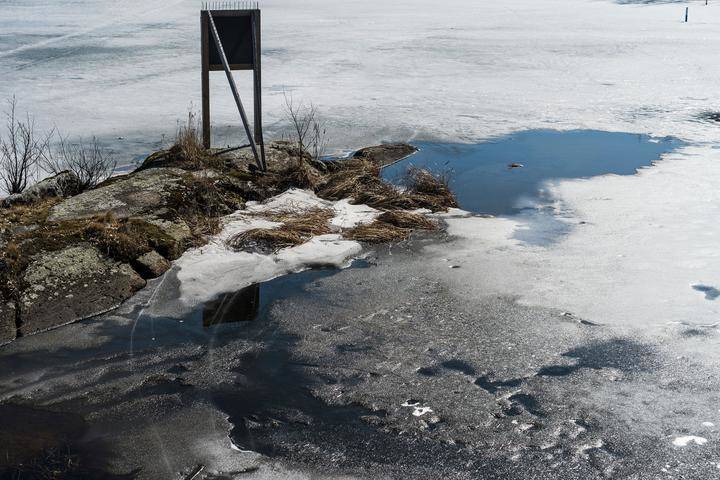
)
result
[(644, 247)]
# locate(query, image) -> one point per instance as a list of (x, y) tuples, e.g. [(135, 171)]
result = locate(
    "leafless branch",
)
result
[(89, 161), (308, 128), (21, 150)]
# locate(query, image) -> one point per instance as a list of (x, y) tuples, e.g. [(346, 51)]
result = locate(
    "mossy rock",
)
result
[(132, 195), (74, 283)]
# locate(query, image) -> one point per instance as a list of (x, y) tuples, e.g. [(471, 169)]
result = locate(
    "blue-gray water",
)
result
[(481, 177)]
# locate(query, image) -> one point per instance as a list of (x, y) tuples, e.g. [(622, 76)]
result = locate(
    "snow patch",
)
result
[(347, 215), (684, 441), (213, 269), (418, 410)]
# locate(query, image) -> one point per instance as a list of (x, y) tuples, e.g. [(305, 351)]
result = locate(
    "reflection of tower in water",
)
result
[(240, 306)]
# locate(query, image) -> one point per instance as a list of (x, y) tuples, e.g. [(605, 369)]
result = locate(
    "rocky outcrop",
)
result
[(8, 328), (73, 258), (72, 284), (278, 156), (64, 184), (384, 155), (134, 195), (151, 265)]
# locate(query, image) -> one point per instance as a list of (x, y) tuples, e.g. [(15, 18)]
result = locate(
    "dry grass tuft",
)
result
[(200, 201), (298, 173), (361, 181), (401, 219), (313, 221), (422, 183), (187, 152), (378, 232), (265, 240), (188, 141), (297, 228), (390, 226)]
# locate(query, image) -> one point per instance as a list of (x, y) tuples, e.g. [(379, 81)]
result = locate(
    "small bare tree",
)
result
[(309, 130), (21, 151), (89, 161)]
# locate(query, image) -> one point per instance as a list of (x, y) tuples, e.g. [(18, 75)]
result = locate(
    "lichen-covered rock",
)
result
[(177, 229), (64, 184), (278, 156), (72, 284), (8, 329), (142, 192), (151, 265)]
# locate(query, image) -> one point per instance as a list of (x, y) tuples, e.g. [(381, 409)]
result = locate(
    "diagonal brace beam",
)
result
[(233, 87)]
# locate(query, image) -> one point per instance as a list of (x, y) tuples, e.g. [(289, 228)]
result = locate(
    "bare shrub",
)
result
[(21, 150), (89, 161), (318, 138), (308, 128)]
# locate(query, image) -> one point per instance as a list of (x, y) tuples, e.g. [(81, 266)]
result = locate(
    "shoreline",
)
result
[(104, 244)]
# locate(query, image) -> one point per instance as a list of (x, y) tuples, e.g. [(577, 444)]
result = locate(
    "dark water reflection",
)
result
[(506, 175)]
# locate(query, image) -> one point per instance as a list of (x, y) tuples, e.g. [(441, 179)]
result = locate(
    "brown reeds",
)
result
[(297, 228)]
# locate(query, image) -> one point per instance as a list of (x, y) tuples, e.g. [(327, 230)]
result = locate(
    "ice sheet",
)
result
[(378, 70), (638, 246)]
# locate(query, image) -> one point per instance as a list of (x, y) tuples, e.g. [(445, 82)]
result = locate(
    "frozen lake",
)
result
[(379, 71)]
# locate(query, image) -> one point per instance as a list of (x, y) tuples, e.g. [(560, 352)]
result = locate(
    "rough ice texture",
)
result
[(215, 268)]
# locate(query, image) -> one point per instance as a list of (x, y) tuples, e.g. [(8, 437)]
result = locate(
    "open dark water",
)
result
[(505, 175)]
